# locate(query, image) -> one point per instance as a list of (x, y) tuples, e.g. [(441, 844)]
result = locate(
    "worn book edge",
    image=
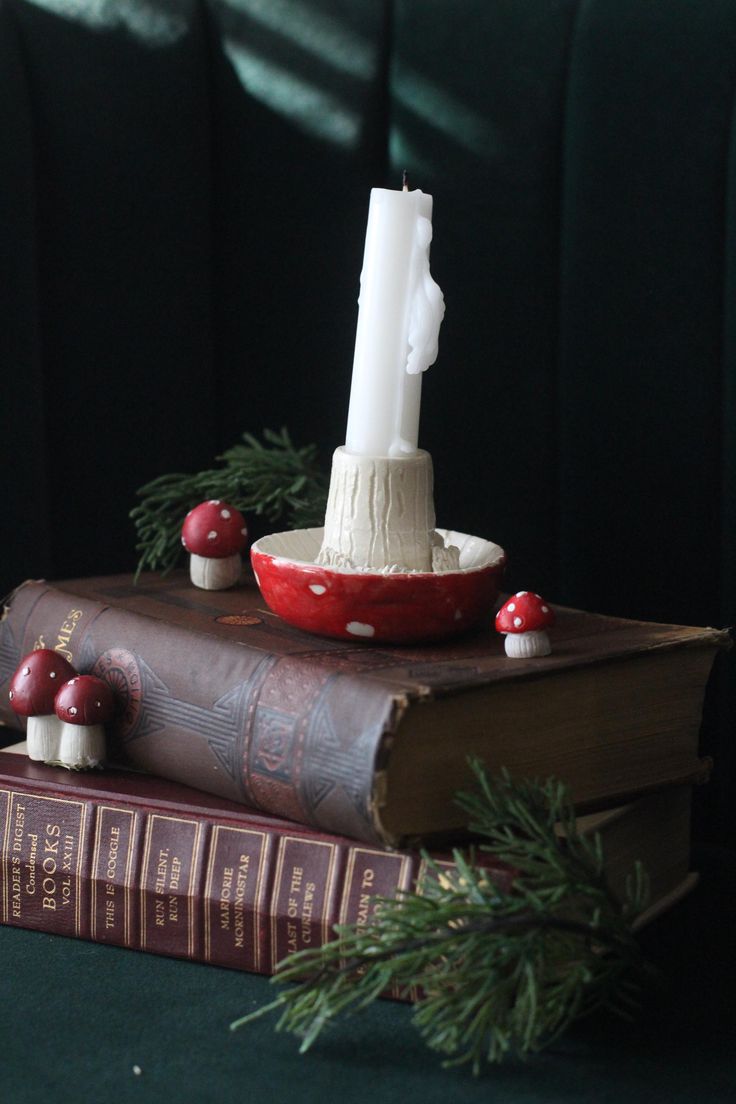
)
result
[(399, 701)]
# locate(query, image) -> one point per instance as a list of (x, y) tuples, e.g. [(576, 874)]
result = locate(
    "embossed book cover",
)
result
[(370, 742)]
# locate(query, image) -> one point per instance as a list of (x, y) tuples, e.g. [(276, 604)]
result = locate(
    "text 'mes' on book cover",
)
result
[(365, 741), (139, 862)]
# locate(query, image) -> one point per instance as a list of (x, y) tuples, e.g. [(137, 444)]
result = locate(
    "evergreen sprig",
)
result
[(503, 958), (272, 478)]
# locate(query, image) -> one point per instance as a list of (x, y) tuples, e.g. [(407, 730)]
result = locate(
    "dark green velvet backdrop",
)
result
[(184, 188)]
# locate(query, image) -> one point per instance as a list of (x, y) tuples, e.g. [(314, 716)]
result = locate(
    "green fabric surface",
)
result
[(79, 1017)]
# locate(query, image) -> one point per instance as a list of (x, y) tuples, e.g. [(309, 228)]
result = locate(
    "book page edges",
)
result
[(412, 801), (378, 795)]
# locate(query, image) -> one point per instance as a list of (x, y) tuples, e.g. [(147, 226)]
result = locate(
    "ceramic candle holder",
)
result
[(379, 570), (395, 608)]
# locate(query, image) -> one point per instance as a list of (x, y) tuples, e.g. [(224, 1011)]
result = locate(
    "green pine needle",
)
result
[(504, 957), (272, 478)]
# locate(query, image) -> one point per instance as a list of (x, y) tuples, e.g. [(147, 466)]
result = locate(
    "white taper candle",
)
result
[(400, 312)]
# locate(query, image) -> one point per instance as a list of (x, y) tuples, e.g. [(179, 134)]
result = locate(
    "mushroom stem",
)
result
[(219, 573), (81, 746), (42, 737), (525, 645)]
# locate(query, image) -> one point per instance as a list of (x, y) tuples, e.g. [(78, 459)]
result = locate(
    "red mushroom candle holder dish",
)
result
[(375, 606), (379, 570)]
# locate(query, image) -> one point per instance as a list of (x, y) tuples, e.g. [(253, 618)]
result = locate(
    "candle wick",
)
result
[(405, 181)]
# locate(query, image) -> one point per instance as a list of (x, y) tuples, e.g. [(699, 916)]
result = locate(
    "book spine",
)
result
[(185, 886), (274, 731)]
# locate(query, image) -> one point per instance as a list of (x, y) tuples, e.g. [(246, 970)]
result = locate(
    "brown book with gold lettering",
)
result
[(371, 742), (139, 862)]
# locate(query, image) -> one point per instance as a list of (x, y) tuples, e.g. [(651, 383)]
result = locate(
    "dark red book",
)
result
[(367, 741), (139, 862)]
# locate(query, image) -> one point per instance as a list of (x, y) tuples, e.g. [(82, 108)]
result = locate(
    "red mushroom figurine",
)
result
[(214, 533), (32, 691), (524, 619), (83, 705)]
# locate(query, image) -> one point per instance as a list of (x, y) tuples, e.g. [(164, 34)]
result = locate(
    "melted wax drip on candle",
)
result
[(427, 307), (425, 311), (400, 311)]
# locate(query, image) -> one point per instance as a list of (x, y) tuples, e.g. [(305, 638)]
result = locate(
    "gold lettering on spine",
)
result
[(112, 870), (4, 797), (226, 885), (360, 910), (30, 886), (49, 867), (370, 874), (43, 867), (302, 897), (15, 845), (164, 865), (64, 634), (16, 840), (241, 884)]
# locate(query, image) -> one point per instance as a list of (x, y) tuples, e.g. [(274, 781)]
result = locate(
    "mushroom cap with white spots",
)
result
[(36, 682), (85, 700), (524, 611), (214, 529)]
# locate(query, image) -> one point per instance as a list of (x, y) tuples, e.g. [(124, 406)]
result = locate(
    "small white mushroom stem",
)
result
[(42, 737), (81, 746), (210, 573), (525, 645)]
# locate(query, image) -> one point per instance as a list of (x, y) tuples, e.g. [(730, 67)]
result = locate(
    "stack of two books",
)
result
[(323, 763)]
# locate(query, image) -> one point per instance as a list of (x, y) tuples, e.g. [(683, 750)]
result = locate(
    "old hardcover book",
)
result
[(365, 741), (139, 862)]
